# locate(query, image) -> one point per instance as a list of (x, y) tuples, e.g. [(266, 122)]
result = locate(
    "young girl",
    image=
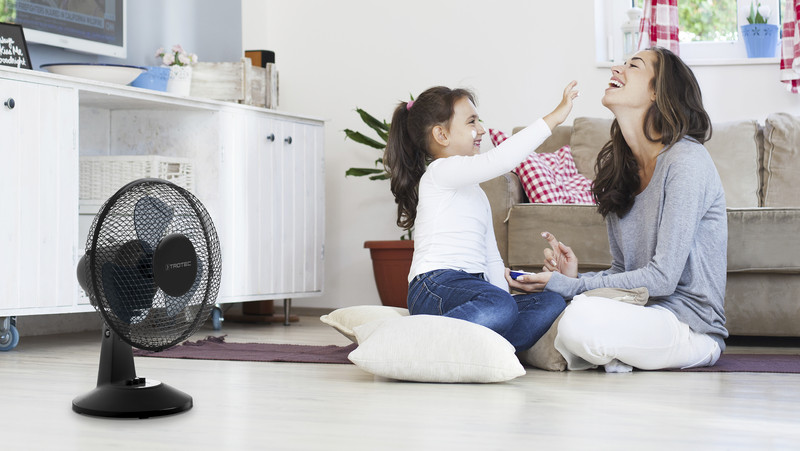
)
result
[(664, 208), (435, 166)]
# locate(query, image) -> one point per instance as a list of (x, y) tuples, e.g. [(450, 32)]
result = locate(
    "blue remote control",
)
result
[(516, 274)]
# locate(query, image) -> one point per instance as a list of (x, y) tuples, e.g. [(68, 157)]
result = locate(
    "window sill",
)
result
[(695, 62)]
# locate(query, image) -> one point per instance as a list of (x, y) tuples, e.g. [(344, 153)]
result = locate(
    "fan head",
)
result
[(152, 264)]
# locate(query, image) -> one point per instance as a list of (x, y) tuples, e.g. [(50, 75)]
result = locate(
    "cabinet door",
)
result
[(304, 207), (39, 191), (273, 186), (249, 193), (297, 206)]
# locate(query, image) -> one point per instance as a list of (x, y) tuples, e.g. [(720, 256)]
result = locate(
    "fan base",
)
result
[(132, 401)]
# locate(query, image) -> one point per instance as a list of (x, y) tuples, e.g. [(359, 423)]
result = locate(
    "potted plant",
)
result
[(760, 37), (180, 63), (391, 260)]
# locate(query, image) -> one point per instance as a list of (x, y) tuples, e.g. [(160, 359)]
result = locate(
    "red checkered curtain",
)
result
[(790, 46), (659, 26)]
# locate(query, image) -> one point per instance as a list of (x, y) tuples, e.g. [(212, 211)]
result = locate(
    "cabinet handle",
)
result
[(288, 140), (10, 103), (271, 137)]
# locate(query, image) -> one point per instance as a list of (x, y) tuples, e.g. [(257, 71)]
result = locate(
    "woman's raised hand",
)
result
[(559, 257), (559, 115)]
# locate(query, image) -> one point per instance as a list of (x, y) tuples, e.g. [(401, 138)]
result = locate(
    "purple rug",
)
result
[(753, 363), (215, 348)]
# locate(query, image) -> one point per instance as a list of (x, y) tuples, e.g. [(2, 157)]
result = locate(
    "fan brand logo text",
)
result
[(186, 264)]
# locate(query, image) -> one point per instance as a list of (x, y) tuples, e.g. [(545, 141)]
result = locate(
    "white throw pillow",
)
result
[(426, 348), (345, 319)]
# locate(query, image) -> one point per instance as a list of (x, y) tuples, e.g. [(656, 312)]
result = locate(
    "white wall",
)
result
[(517, 56)]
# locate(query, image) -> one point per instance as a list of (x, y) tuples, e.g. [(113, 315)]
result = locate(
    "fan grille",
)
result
[(119, 263)]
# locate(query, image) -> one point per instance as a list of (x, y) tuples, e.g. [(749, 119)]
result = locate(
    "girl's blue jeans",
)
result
[(521, 319)]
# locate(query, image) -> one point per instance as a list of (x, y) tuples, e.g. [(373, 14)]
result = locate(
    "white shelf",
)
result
[(266, 197)]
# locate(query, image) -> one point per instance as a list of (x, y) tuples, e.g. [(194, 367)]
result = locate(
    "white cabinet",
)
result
[(260, 173), (276, 183), (39, 192)]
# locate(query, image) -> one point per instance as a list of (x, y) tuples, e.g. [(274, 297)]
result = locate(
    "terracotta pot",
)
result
[(391, 262)]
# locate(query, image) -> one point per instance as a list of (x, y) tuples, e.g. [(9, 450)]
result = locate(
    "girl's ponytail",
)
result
[(406, 163), (408, 148)]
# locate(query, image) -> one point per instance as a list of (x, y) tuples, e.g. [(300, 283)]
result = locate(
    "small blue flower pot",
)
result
[(760, 39), (155, 78)]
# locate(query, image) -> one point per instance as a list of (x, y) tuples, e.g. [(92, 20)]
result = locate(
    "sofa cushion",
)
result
[(781, 163), (589, 135), (543, 353), (763, 240), (734, 148), (344, 320)]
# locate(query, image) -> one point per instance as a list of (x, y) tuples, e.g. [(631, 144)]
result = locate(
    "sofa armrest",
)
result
[(503, 192)]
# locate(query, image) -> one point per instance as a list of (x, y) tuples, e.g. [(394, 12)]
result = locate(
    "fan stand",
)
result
[(120, 394)]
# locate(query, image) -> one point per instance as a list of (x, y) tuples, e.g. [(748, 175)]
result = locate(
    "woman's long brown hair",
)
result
[(676, 113), (408, 148)]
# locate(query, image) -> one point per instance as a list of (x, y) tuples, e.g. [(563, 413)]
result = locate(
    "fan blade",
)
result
[(128, 281), (176, 304), (151, 217)]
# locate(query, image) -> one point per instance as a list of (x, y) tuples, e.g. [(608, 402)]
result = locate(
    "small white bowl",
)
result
[(107, 73)]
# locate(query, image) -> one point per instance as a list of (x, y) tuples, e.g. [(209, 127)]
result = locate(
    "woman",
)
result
[(664, 207)]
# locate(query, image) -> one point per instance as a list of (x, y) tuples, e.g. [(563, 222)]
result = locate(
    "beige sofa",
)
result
[(760, 170)]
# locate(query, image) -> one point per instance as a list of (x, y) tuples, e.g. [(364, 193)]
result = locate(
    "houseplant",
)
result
[(760, 37), (180, 63), (391, 260)]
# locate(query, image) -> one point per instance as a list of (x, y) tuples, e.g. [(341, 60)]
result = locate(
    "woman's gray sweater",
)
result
[(673, 241)]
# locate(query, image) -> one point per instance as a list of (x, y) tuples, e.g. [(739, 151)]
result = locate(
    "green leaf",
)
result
[(366, 140), (380, 127), (361, 172), (383, 176)]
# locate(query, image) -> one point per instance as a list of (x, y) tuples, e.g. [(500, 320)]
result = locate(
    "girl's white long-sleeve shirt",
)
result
[(453, 228)]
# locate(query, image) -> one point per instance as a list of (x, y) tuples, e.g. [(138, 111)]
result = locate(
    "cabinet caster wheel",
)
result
[(216, 318), (9, 339)]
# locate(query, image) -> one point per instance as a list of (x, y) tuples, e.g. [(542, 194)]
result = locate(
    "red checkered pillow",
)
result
[(551, 178)]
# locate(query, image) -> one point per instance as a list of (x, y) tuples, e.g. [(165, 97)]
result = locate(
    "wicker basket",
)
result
[(100, 177)]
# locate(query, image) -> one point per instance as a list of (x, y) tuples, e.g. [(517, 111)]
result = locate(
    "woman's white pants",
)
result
[(600, 331)]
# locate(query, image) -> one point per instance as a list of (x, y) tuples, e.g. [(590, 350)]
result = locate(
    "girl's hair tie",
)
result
[(409, 105)]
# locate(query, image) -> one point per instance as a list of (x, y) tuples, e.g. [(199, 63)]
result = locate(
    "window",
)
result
[(709, 29), (707, 20)]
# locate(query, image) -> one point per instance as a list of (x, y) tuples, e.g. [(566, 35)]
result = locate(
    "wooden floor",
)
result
[(285, 406)]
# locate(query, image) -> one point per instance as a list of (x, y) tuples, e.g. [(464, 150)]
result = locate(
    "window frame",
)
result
[(610, 14)]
